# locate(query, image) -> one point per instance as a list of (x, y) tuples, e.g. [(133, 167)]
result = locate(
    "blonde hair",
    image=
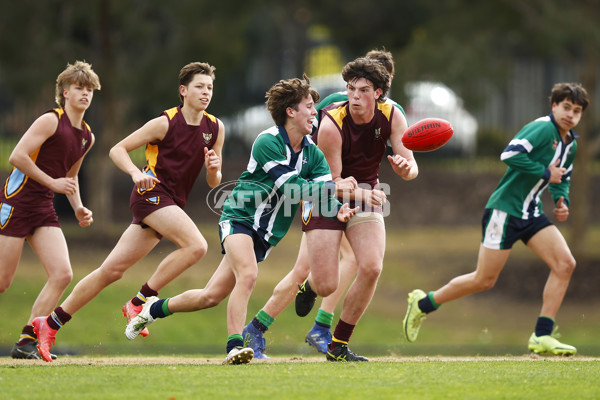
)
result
[(80, 73)]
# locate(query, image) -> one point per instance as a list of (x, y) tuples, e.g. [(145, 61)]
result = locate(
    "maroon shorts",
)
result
[(310, 222), (145, 203), (20, 222)]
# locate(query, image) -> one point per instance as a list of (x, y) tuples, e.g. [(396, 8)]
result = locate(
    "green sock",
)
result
[(430, 295), (264, 318), (234, 340), (324, 317), (234, 336), (160, 308), (165, 307)]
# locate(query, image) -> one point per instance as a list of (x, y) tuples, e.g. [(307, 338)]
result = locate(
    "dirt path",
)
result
[(170, 360)]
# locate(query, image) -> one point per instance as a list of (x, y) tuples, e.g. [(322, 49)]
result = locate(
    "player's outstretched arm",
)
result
[(403, 162), (403, 167)]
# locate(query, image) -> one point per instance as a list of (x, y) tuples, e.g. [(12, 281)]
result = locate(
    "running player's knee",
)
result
[(370, 272), (325, 287), (565, 267), (198, 250), (246, 277), (485, 283), (62, 278), (209, 300), (111, 274), (571, 264)]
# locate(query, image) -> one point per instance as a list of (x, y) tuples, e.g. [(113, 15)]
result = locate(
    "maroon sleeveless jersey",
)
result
[(364, 145), (55, 157), (177, 159)]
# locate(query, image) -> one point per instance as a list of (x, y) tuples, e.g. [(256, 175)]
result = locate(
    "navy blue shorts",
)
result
[(230, 226), (500, 231)]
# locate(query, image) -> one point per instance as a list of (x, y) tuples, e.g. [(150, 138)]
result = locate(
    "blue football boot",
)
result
[(319, 337), (254, 338)]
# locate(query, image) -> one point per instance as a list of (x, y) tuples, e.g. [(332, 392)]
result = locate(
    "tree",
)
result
[(137, 48), (467, 42)]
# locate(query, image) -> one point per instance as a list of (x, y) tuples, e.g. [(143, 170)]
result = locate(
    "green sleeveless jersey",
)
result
[(528, 155), (276, 180)]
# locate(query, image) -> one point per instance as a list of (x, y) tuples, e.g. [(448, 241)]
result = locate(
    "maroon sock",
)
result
[(27, 335), (143, 294), (58, 318), (343, 331)]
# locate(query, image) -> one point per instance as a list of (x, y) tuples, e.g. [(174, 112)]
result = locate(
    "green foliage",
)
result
[(418, 379), (364, 26), (470, 44), (6, 148)]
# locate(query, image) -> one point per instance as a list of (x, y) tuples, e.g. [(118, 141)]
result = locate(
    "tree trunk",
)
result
[(582, 175), (102, 174)]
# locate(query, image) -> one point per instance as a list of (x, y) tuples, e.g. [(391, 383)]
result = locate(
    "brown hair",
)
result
[(286, 94), (188, 72), (384, 57), (370, 69), (571, 91), (80, 73)]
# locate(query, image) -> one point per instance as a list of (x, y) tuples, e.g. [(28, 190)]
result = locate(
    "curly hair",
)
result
[(384, 57), (286, 94), (80, 73), (370, 69)]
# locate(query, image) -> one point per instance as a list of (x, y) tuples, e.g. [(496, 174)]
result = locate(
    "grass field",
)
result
[(472, 348), (294, 378)]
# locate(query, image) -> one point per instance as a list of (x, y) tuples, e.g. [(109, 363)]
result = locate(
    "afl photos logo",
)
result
[(250, 197)]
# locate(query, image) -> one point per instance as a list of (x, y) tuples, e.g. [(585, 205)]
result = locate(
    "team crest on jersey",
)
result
[(304, 161), (207, 137), (377, 133), (554, 144), (83, 143)]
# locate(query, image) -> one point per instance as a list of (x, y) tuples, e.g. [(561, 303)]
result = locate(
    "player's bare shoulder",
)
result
[(156, 128), (47, 123), (328, 133)]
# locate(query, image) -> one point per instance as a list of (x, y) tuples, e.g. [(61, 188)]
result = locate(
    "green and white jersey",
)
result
[(536, 146), (338, 97), (268, 193)]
